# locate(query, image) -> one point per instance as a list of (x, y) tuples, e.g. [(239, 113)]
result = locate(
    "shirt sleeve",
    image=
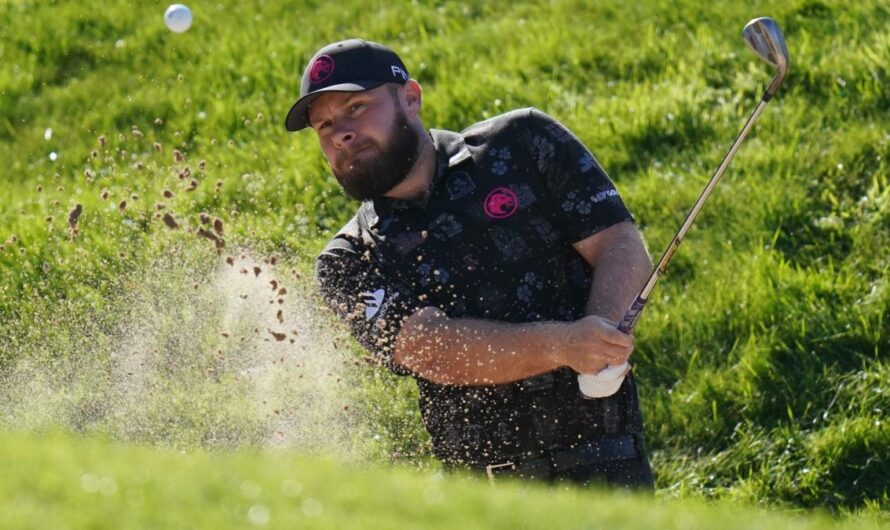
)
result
[(582, 196), (373, 305)]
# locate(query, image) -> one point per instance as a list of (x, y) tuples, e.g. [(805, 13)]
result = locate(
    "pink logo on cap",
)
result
[(321, 70), (501, 203)]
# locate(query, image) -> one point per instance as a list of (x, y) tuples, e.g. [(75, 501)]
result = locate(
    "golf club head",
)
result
[(764, 37)]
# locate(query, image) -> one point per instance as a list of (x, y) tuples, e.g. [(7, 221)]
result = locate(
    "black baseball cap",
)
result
[(352, 65)]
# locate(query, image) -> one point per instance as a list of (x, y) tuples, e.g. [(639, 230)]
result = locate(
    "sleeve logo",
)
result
[(372, 302)]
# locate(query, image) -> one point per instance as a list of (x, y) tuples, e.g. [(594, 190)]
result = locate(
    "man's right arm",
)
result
[(389, 319), (466, 351)]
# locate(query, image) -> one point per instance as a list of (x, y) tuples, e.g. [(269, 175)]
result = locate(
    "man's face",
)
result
[(366, 138)]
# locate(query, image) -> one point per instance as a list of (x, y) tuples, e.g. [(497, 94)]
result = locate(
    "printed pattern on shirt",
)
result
[(493, 241)]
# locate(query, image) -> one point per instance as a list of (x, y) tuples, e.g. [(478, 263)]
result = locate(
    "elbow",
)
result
[(417, 344)]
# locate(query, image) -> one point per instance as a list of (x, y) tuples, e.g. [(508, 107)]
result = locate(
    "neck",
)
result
[(417, 184)]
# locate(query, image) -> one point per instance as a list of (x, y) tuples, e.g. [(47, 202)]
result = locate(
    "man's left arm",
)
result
[(621, 265)]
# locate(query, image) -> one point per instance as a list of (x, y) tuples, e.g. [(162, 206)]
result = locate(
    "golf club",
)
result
[(764, 37)]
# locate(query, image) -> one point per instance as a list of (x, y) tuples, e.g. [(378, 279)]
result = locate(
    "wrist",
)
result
[(555, 343)]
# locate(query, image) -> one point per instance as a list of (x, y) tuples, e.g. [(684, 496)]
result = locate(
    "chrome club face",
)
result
[(764, 37)]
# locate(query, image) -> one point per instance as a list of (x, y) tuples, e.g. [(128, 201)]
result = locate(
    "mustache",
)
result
[(345, 155)]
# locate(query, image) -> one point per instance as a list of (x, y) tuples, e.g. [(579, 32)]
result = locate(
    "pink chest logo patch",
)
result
[(501, 203)]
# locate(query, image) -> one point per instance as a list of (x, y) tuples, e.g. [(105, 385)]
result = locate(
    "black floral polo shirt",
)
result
[(493, 240)]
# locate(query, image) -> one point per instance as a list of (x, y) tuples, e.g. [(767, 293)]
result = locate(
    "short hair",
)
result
[(393, 89)]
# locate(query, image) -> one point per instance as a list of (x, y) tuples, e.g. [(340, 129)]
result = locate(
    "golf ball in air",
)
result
[(178, 17)]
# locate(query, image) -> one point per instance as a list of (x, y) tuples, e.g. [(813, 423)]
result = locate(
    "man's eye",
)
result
[(356, 107)]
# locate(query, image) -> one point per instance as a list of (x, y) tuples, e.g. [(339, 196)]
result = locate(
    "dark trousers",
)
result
[(614, 462), (632, 474)]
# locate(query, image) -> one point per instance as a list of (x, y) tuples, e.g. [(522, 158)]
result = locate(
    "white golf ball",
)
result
[(178, 18)]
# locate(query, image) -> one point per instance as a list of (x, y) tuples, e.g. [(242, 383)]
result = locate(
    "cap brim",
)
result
[(298, 117)]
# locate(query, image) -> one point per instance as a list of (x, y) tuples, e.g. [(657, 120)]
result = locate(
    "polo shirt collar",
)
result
[(450, 147)]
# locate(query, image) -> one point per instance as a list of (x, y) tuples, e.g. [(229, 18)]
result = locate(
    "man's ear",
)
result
[(413, 97)]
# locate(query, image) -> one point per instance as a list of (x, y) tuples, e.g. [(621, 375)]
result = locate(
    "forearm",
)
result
[(620, 272), (467, 351)]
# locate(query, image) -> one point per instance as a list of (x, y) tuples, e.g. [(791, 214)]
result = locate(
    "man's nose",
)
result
[(343, 136)]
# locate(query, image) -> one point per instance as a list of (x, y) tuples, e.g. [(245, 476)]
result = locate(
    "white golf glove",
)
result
[(604, 383)]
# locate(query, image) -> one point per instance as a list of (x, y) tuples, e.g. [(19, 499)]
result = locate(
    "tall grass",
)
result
[(763, 357)]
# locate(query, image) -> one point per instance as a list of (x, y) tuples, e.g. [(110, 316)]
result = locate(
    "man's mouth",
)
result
[(347, 160), (359, 150)]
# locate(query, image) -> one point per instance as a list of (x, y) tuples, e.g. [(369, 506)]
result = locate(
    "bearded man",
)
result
[(490, 265)]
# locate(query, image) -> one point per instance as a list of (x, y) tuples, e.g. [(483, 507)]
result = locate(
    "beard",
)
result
[(380, 168)]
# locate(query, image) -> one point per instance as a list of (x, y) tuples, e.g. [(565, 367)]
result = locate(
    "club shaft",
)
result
[(635, 310)]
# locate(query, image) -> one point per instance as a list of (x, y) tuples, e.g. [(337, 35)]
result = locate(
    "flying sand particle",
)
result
[(220, 243), (205, 219), (218, 226), (122, 205), (168, 194), (280, 316), (278, 336), (74, 214), (170, 221), (230, 260), (257, 271)]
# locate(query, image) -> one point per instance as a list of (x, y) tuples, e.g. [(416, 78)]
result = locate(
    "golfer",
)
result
[(490, 265)]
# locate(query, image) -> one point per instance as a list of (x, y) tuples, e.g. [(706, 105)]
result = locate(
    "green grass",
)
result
[(94, 484), (762, 358)]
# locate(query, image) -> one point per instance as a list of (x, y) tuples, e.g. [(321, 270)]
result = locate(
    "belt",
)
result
[(551, 463)]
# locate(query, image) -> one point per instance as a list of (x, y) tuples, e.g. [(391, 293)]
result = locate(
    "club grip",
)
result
[(632, 315)]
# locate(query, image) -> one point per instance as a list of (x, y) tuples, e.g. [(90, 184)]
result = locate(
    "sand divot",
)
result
[(194, 355)]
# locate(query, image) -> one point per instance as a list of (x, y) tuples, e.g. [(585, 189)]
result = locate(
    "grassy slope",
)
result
[(94, 484), (763, 358)]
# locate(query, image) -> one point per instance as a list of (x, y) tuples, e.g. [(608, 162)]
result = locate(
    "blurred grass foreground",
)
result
[(173, 310)]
